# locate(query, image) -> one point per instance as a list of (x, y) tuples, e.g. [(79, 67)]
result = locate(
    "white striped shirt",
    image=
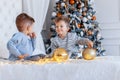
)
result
[(68, 43)]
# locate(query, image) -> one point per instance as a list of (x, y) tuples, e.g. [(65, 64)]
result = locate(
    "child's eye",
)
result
[(61, 26)]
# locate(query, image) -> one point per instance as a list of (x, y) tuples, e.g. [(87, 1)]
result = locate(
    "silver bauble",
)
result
[(84, 19), (54, 14), (63, 4)]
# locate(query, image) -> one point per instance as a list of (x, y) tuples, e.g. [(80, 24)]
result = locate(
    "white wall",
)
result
[(9, 9), (108, 15)]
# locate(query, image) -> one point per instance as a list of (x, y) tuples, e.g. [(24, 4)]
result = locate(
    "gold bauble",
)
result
[(89, 53), (60, 55)]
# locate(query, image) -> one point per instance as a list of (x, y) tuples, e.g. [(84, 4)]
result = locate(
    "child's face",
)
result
[(62, 28)]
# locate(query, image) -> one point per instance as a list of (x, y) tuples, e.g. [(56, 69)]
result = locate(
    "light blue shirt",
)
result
[(20, 44)]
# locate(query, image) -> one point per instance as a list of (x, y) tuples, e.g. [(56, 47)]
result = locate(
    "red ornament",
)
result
[(94, 18), (79, 25), (72, 2), (59, 14)]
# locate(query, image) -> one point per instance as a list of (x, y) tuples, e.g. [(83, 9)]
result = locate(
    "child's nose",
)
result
[(58, 27)]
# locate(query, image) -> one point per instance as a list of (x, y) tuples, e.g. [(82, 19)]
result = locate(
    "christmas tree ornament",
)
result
[(53, 26), (72, 2), (89, 17), (84, 19), (60, 55), (79, 25), (63, 4), (89, 54), (54, 14), (94, 18), (59, 14), (82, 5), (82, 33)]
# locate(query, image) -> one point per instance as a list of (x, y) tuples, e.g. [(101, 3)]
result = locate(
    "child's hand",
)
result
[(32, 35), (90, 44)]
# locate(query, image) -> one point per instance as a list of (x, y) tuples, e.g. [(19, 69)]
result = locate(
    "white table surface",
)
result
[(101, 68)]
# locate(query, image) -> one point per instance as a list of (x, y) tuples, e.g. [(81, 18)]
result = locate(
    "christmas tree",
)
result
[(82, 18)]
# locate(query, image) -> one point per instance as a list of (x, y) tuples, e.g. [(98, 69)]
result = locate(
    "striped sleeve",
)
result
[(53, 44), (81, 41)]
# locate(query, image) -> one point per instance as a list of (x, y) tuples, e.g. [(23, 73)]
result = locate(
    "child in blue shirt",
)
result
[(67, 40), (22, 44)]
